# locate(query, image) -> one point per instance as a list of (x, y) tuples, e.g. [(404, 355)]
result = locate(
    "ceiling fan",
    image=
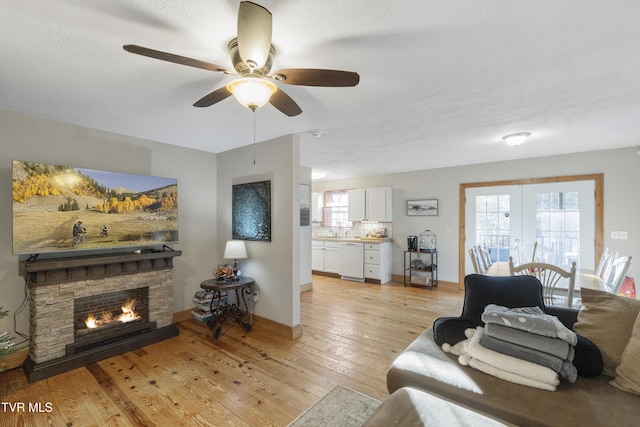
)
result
[(252, 56)]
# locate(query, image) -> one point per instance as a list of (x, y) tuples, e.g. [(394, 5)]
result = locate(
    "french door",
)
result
[(494, 219), (547, 222)]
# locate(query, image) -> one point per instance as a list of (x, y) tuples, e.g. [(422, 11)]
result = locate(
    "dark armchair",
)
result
[(507, 291)]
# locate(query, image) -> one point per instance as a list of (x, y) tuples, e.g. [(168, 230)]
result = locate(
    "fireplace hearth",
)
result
[(85, 309)]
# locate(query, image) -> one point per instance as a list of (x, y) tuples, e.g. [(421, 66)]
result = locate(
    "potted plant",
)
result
[(7, 344)]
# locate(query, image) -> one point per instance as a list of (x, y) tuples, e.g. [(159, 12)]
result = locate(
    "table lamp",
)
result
[(235, 250)]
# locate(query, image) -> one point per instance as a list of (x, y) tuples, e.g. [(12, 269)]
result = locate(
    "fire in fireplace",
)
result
[(127, 315), (110, 317), (109, 310)]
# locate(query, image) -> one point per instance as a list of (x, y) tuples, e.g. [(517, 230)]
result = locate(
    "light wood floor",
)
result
[(352, 332)]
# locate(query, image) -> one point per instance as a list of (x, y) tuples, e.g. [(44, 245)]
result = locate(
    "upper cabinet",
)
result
[(371, 204), (357, 207)]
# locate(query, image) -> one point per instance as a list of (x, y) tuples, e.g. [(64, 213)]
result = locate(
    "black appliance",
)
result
[(412, 243)]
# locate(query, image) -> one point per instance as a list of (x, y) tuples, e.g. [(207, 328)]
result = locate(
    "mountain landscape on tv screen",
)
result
[(62, 208)]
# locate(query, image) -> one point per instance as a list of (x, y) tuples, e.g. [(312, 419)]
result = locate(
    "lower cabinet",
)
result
[(377, 261), (324, 256)]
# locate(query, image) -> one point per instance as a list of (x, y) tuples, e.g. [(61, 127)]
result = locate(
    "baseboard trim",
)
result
[(291, 332), (306, 287), (181, 316), (324, 273)]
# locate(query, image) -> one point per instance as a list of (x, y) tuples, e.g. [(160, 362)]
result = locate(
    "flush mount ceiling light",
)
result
[(516, 139), (252, 92), (317, 174)]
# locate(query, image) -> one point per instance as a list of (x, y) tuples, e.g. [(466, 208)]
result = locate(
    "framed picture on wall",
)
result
[(425, 207), (251, 211)]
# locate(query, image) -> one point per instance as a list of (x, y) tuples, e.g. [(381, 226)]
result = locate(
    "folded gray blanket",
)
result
[(553, 346), (563, 367), (530, 319)]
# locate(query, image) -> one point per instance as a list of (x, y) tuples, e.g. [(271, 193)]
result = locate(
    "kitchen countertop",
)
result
[(353, 239)]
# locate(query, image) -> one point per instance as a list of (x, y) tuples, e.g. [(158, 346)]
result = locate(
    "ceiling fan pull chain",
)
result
[(254, 140)]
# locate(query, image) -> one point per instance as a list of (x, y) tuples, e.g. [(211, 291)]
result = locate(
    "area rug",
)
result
[(340, 407)]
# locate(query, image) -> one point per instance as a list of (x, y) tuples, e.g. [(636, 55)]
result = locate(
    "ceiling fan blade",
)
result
[(215, 96), (285, 104), (317, 77), (254, 33), (170, 57)]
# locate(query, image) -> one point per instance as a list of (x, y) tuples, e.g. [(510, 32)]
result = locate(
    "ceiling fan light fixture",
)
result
[(252, 92), (317, 174), (516, 139)]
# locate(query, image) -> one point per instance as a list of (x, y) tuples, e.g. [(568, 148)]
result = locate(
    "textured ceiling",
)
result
[(441, 81)]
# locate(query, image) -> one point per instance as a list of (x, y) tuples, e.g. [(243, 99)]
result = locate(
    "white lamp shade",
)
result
[(235, 249), (252, 92)]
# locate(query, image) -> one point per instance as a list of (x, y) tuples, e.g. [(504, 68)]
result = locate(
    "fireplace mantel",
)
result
[(93, 267)]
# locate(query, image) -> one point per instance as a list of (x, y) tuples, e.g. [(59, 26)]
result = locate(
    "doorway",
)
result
[(561, 213)]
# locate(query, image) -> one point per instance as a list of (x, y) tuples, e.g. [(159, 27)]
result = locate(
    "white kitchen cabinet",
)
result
[(371, 204), (377, 261), (317, 255), (324, 256), (357, 205), (331, 257)]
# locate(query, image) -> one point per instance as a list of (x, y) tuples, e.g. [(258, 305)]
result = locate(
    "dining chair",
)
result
[(617, 273), (604, 259), (525, 253), (479, 260), (474, 261), (549, 275), (607, 270), (483, 253)]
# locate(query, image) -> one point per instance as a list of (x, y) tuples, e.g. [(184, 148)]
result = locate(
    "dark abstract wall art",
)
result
[(251, 211)]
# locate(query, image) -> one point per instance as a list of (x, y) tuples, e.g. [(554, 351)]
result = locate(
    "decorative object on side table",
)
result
[(235, 250), (223, 272), (427, 241)]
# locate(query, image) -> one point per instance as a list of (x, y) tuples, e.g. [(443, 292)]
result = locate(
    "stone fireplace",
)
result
[(67, 295)]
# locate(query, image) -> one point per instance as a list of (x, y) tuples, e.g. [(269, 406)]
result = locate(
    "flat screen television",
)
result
[(66, 208)]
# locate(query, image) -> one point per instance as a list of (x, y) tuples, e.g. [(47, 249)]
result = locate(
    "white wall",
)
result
[(621, 168), (274, 265), (32, 139)]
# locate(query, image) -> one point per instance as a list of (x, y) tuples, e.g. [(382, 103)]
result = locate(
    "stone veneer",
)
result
[(52, 322), (52, 293)]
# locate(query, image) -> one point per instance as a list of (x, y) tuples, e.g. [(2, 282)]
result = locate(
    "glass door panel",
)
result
[(564, 222), (493, 219)]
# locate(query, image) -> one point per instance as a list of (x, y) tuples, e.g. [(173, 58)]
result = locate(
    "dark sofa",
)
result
[(588, 401)]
